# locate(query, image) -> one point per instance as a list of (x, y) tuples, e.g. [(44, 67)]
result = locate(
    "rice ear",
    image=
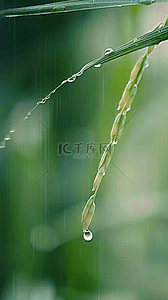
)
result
[(117, 127)]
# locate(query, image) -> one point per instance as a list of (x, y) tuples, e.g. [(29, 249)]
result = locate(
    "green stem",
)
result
[(68, 6), (148, 39)]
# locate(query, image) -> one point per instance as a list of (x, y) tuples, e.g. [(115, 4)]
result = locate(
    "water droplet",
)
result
[(88, 235), (98, 66), (79, 73), (104, 173), (72, 78), (147, 2), (135, 40), (58, 8), (25, 118), (7, 138), (146, 64), (108, 51), (13, 130), (29, 113)]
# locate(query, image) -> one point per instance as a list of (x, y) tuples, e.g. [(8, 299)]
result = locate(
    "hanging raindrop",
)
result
[(146, 64), (108, 51), (147, 2), (98, 66), (72, 78), (79, 73), (87, 235)]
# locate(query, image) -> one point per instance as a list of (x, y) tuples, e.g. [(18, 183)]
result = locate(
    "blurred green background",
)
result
[(43, 254)]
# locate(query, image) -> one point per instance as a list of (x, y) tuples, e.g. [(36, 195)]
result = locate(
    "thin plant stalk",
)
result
[(158, 35), (70, 6)]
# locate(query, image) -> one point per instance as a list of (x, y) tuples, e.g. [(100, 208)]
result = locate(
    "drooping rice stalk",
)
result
[(117, 127)]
